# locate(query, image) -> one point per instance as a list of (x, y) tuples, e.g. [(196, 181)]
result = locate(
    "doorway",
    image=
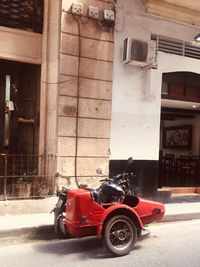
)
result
[(19, 121), (19, 107), (179, 130)]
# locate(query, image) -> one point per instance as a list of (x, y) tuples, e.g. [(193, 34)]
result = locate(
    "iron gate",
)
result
[(26, 176)]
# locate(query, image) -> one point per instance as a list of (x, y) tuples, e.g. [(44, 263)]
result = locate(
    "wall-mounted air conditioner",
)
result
[(139, 53)]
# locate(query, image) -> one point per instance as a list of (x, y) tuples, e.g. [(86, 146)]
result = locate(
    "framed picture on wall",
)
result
[(177, 137)]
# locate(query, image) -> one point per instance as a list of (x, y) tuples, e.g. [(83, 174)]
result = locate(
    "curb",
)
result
[(29, 232), (181, 217), (47, 231)]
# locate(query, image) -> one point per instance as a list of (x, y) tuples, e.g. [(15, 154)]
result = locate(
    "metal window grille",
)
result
[(176, 47), (22, 14)]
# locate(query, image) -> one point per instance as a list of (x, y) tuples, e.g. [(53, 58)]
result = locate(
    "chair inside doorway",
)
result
[(183, 171)]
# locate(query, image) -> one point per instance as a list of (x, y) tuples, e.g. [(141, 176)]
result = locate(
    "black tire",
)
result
[(59, 225), (120, 235)]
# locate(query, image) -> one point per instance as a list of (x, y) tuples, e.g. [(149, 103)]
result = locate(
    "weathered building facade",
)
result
[(85, 93), (55, 94), (148, 100), (69, 105)]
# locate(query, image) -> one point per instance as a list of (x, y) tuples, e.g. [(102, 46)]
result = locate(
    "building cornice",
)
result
[(173, 11)]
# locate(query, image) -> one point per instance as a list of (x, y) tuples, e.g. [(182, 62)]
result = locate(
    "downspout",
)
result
[(78, 98)]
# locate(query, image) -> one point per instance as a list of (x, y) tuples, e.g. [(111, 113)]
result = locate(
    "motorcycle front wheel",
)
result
[(59, 225)]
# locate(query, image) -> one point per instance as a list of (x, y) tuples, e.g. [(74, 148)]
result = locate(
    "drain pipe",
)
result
[(77, 103)]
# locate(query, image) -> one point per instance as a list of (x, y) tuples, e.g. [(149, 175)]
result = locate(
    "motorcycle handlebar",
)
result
[(122, 176), (106, 180)]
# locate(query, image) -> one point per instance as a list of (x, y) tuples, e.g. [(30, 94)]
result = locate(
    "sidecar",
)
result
[(117, 223)]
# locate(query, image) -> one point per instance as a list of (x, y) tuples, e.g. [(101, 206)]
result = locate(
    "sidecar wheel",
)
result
[(120, 235), (60, 227)]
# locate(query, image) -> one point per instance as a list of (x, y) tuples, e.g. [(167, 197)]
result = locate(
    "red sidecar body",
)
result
[(87, 217)]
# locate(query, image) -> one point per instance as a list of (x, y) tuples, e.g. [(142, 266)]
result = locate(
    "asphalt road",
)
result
[(170, 244)]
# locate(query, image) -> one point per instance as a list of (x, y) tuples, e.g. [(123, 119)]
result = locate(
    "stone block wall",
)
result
[(85, 94)]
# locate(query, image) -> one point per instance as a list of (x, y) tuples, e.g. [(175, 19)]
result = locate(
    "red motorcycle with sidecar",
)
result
[(107, 212)]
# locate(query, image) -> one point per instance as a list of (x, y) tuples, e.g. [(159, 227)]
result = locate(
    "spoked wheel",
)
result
[(60, 227), (120, 235)]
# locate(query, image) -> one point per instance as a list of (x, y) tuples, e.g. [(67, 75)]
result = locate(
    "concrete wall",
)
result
[(137, 92), (76, 57), (85, 93), (136, 101), (18, 45), (85, 89), (50, 78)]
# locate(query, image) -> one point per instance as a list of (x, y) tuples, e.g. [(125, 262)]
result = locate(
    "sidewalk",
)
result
[(42, 223), (182, 211)]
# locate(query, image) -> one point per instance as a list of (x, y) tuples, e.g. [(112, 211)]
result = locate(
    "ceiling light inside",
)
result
[(197, 37)]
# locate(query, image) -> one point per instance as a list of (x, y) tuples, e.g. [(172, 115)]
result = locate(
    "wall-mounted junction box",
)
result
[(93, 12), (77, 9), (109, 14)]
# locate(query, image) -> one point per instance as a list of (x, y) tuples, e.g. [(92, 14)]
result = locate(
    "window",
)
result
[(181, 86), (22, 14)]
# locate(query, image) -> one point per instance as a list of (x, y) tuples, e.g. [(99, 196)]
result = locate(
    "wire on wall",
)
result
[(78, 98)]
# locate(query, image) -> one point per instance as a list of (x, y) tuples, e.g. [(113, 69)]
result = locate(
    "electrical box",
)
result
[(77, 9), (93, 12), (109, 14)]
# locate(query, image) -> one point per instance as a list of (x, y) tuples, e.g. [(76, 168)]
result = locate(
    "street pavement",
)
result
[(42, 223), (171, 244)]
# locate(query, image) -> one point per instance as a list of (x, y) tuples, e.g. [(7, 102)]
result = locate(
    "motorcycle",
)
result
[(121, 179), (110, 212)]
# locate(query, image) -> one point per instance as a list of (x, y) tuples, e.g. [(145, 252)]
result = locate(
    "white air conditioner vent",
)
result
[(176, 47), (138, 52)]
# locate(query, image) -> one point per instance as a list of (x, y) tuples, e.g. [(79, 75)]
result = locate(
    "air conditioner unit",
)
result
[(139, 53)]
